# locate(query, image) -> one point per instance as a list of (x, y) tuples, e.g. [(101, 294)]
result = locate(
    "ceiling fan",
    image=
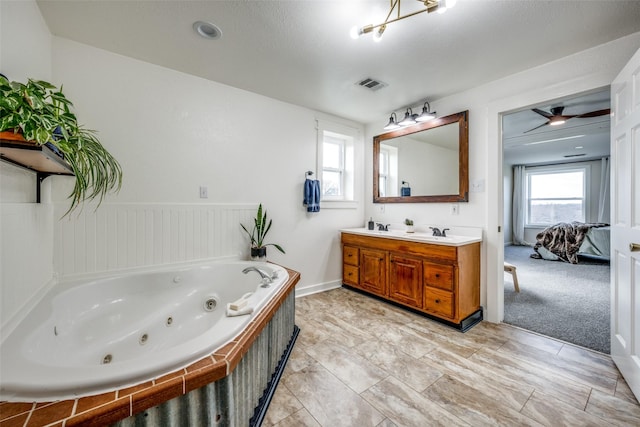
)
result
[(557, 118)]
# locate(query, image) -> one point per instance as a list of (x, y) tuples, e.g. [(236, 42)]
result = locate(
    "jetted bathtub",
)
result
[(90, 337)]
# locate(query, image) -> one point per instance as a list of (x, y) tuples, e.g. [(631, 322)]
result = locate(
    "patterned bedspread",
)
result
[(563, 240)]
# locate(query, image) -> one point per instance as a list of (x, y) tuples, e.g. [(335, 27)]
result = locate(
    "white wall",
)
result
[(26, 228), (590, 69), (173, 133)]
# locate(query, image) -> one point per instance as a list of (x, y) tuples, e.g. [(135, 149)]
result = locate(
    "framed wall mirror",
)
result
[(424, 163)]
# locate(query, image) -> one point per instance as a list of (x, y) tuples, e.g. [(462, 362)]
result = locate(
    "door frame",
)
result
[(495, 188)]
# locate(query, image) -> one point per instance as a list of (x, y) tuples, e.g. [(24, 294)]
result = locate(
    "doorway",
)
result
[(556, 192)]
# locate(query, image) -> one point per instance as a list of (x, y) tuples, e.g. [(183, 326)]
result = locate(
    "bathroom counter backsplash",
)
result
[(108, 408), (455, 236)]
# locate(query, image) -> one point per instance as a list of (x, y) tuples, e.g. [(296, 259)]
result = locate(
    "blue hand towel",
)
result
[(312, 195)]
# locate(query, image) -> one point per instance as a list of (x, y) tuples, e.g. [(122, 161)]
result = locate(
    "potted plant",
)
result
[(409, 223), (41, 113), (261, 226)]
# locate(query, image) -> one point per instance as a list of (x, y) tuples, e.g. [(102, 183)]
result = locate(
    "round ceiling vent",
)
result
[(207, 30)]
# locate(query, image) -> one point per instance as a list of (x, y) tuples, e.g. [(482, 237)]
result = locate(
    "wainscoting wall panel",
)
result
[(123, 236)]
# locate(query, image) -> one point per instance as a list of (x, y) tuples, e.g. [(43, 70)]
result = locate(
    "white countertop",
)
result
[(419, 237)]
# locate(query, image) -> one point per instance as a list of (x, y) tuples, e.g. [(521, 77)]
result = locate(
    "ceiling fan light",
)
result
[(556, 121)]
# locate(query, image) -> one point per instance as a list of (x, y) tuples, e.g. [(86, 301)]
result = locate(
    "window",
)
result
[(336, 164), (556, 194), (388, 171), (333, 168)]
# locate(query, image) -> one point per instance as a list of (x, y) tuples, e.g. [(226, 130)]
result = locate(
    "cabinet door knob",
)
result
[(349, 256), (381, 259), (350, 274), (437, 301), (437, 275)]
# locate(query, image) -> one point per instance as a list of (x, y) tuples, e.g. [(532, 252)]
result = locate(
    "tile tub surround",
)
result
[(363, 362), (111, 407)]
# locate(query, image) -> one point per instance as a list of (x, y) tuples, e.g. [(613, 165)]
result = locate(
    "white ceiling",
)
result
[(300, 51)]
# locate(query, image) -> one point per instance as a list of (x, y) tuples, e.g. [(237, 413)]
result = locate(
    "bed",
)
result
[(566, 241)]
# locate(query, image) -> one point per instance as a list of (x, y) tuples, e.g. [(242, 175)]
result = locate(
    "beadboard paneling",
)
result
[(122, 236)]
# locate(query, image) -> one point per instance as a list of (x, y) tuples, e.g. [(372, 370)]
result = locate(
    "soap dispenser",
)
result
[(371, 224), (405, 190)]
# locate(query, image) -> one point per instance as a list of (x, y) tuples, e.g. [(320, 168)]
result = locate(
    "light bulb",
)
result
[(377, 36), (355, 32)]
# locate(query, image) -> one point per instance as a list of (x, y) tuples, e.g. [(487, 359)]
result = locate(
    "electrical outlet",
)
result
[(204, 192), (477, 186), (455, 209)]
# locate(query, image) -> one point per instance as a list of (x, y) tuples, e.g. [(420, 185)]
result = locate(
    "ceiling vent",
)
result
[(371, 84)]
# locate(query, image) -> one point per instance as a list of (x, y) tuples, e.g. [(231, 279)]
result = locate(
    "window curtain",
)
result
[(603, 200), (519, 206)]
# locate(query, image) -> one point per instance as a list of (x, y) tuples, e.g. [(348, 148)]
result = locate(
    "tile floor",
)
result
[(362, 362)]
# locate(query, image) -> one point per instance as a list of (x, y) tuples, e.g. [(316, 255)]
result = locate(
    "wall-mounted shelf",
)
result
[(38, 158)]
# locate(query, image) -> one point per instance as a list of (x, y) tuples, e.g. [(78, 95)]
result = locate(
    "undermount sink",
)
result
[(452, 240)]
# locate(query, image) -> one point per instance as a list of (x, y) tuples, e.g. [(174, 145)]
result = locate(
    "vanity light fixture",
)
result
[(440, 6), (427, 114), (410, 118), (393, 123)]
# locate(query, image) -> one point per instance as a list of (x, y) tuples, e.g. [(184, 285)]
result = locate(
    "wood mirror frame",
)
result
[(463, 160)]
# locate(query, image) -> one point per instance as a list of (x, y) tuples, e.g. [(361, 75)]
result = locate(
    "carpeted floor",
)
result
[(570, 302)]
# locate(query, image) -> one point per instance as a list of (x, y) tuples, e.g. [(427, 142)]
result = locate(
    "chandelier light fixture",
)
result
[(378, 30), (410, 118)]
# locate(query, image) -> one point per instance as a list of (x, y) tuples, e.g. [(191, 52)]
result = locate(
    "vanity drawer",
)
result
[(438, 276), (438, 302), (350, 274), (350, 255)]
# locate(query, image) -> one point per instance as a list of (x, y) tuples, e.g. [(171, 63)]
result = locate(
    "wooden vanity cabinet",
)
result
[(440, 281), (405, 280)]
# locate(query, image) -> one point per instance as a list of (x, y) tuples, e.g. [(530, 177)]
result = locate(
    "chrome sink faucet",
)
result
[(383, 227), (437, 232), (265, 278)]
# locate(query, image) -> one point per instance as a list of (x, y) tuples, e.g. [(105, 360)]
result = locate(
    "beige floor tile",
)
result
[(571, 392), (489, 381), (411, 371), (548, 411), (525, 337), (616, 411), (598, 361), (453, 343), (571, 369), (624, 392), (406, 407), (283, 404), (347, 365), (301, 418), (414, 371), (387, 423), (329, 401), (411, 341), (473, 406)]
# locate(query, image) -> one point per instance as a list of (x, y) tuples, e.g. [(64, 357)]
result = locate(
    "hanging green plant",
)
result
[(42, 114)]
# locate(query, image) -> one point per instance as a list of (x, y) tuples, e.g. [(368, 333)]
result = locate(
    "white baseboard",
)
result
[(319, 287)]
